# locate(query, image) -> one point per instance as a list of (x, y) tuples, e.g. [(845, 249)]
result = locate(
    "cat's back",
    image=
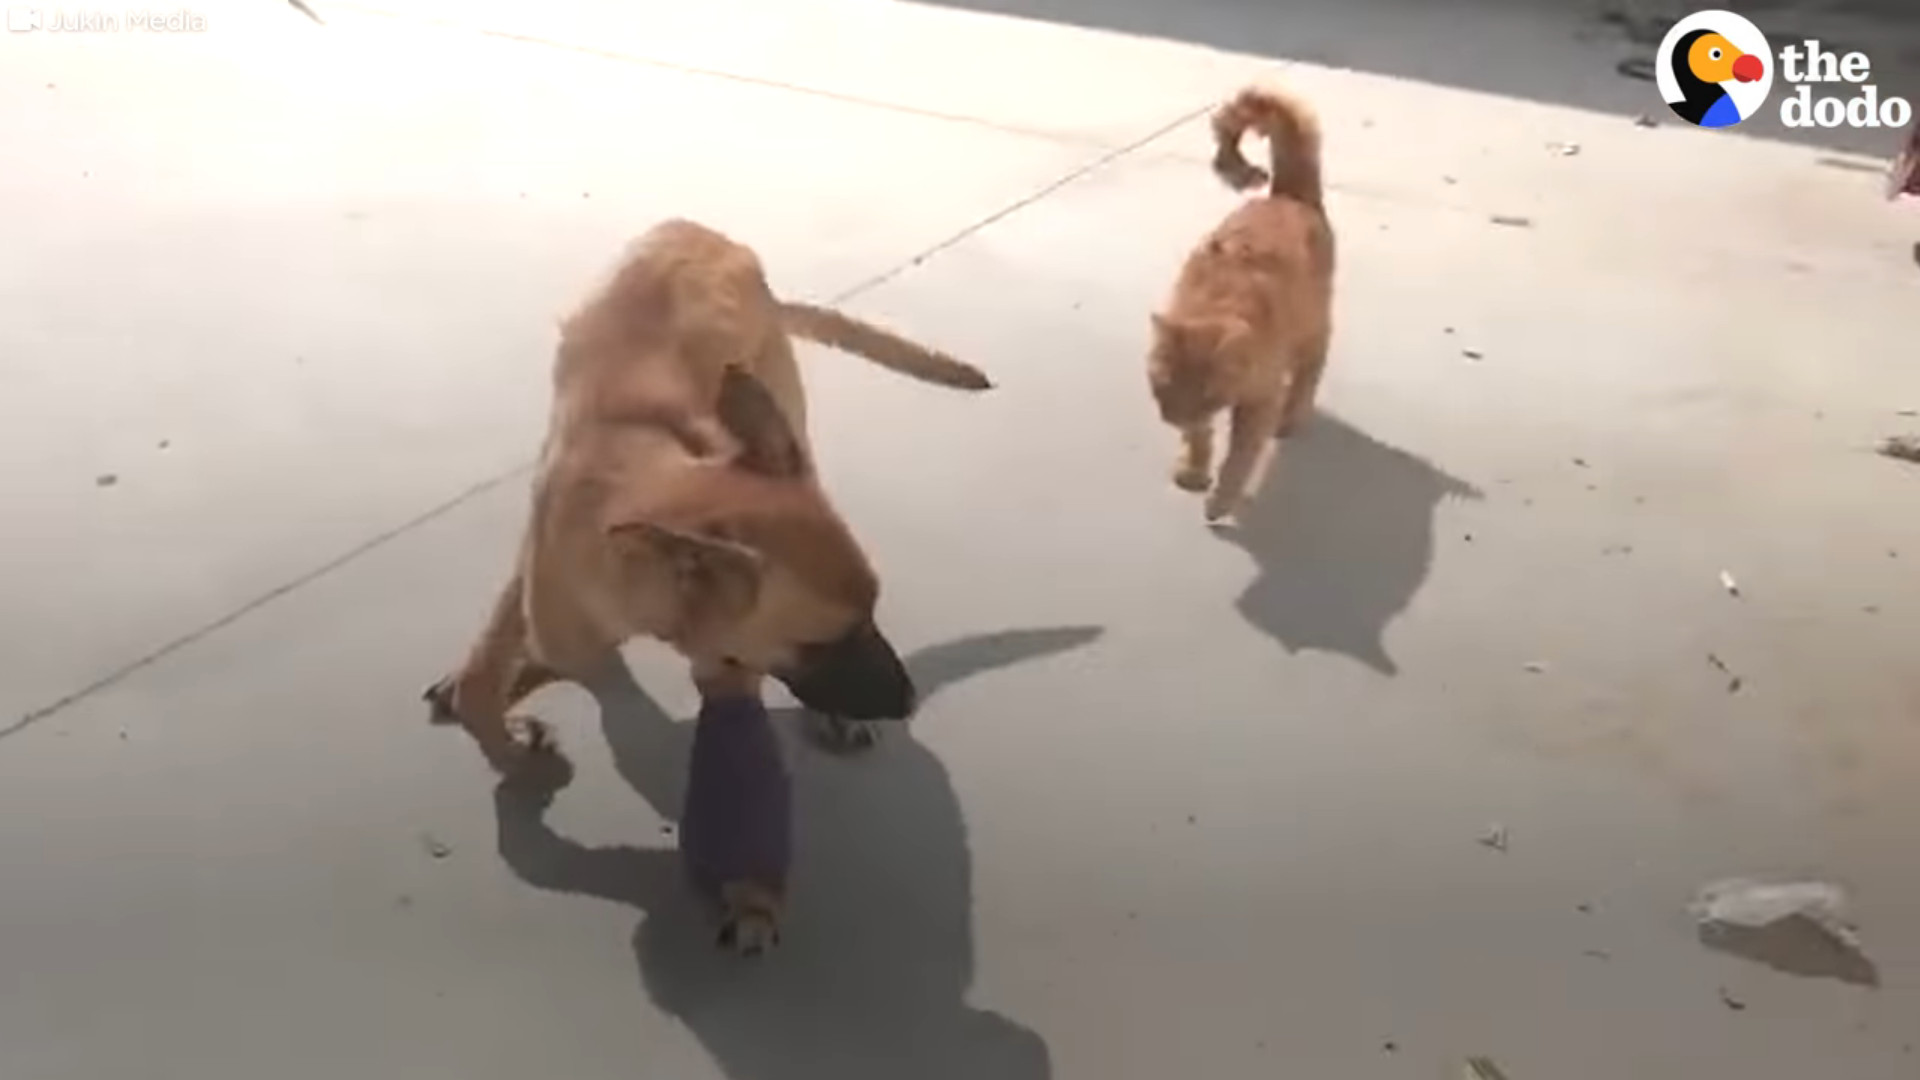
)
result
[(1268, 252), (1276, 235)]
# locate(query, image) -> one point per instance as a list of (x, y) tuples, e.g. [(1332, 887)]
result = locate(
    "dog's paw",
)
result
[(1194, 478), (840, 735), (748, 934), (534, 758), (535, 736), (439, 699)]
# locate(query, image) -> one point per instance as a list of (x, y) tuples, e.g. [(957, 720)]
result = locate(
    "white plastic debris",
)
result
[(1756, 905), (1727, 583)]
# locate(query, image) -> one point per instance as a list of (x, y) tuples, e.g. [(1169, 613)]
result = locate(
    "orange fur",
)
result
[(1247, 328)]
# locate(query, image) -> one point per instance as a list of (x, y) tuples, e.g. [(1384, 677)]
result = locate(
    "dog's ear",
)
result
[(768, 444), (720, 577)]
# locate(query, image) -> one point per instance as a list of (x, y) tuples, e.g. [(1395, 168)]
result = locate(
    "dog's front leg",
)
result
[(750, 915), (840, 735), (498, 673)]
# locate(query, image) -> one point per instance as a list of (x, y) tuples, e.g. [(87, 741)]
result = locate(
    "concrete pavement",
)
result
[(1177, 802)]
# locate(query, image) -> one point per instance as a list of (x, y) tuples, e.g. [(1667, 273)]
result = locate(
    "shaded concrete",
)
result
[(1587, 55), (1214, 836), (1336, 567), (1593, 55), (888, 893)]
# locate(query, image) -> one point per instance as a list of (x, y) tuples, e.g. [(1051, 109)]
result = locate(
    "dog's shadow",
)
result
[(871, 978), (1342, 532)]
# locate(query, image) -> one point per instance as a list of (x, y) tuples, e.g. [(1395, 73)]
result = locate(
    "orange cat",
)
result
[(1250, 320)]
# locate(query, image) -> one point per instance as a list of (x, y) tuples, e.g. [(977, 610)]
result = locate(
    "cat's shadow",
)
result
[(870, 980), (1342, 530)]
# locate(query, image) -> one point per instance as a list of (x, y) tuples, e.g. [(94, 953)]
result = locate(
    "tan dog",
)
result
[(675, 498), (1250, 320)]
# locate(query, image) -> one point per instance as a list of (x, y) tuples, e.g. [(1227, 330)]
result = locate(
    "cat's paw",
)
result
[(1191, 477), (1220, 508)]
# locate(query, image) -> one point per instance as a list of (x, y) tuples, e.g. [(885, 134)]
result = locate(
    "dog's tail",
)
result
[(884, 347), (1293, 137)]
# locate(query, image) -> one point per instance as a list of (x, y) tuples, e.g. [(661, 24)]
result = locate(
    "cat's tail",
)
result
[(1293, 138), (841, 331)]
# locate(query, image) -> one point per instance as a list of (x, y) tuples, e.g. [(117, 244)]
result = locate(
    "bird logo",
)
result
[(1714, 69)]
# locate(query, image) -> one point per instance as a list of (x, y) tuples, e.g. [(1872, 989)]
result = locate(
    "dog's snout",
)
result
[(857, 676)]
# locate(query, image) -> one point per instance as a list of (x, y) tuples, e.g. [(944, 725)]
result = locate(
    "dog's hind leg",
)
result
[(499, 672)]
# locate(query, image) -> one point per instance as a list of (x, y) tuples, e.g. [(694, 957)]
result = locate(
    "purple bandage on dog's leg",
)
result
[(737, 824)]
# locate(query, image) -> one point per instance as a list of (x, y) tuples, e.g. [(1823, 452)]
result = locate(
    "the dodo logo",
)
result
[(1714, 69)]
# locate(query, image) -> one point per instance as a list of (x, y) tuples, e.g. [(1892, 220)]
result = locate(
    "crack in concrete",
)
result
[(44, 712), (1022, 203), (379, 539), (618, 56)]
